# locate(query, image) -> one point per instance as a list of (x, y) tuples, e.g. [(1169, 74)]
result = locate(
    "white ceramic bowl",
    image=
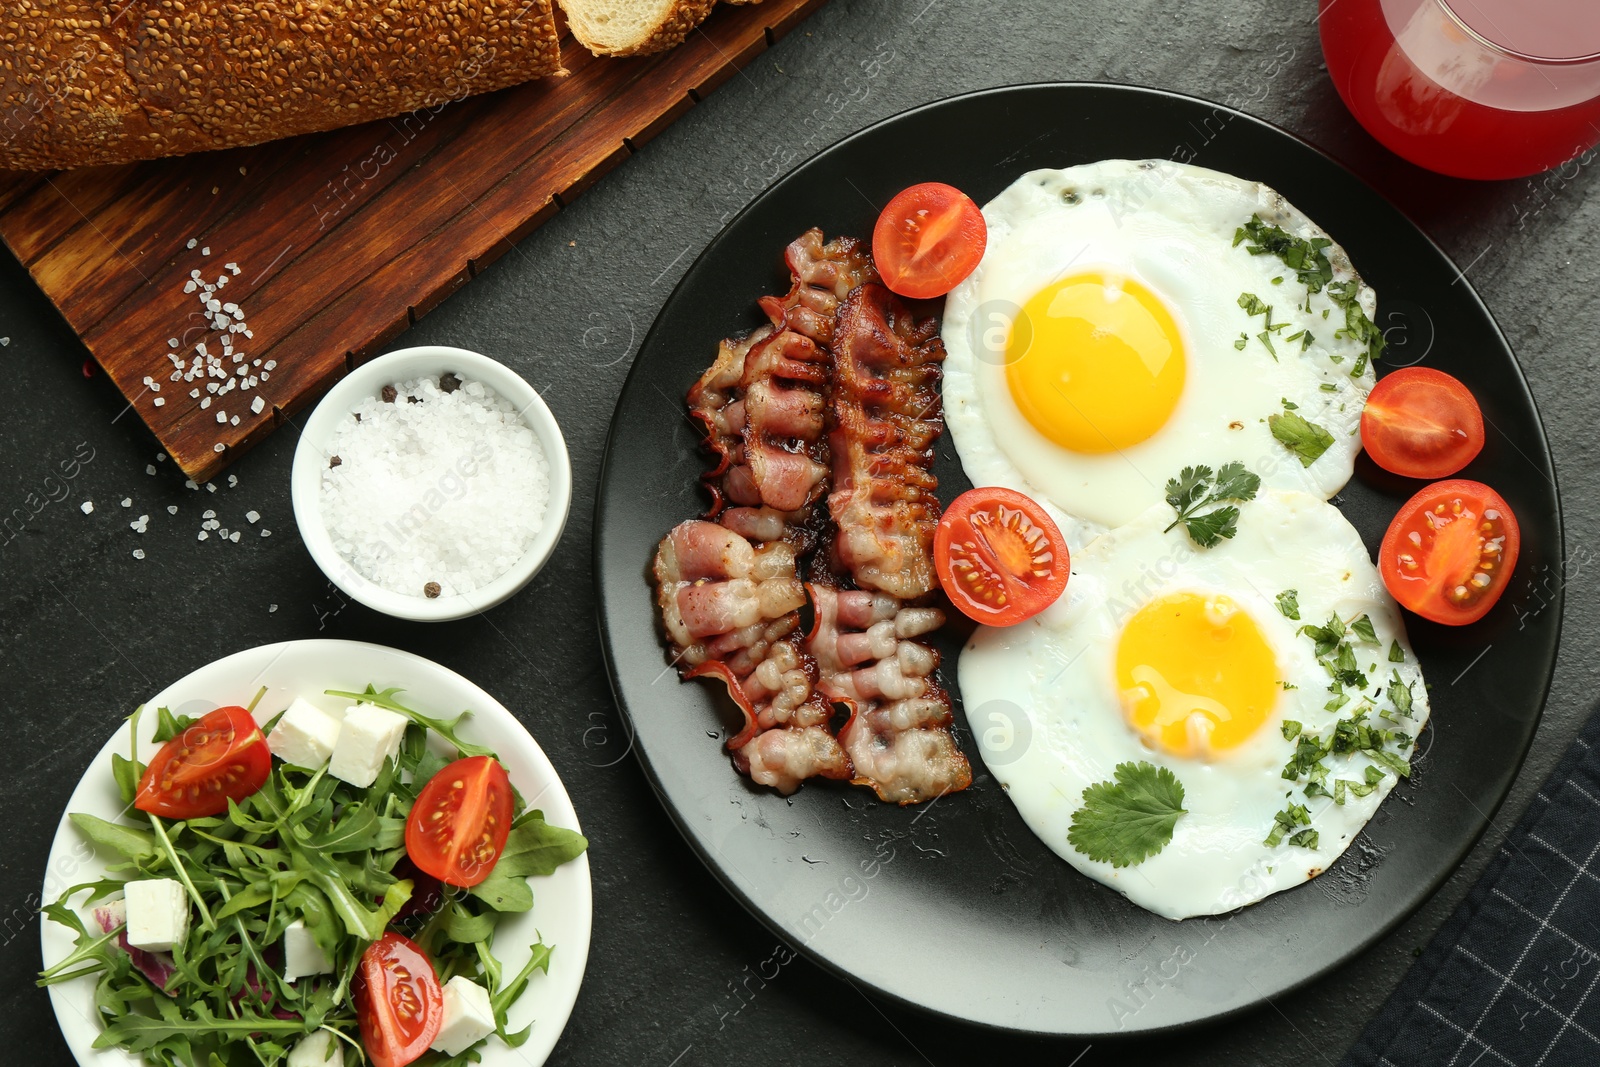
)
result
[(311, 459)]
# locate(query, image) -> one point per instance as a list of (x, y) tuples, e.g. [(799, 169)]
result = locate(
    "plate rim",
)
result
[(78, 1035), (1426, 891)]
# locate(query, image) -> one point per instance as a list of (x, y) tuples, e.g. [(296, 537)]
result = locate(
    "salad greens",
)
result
[(306, 847)]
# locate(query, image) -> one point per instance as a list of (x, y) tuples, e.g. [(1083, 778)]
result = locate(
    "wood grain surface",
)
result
[(340, 239)]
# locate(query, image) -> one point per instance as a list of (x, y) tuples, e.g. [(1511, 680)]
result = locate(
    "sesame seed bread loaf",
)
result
[(633, 27), (87, 82)]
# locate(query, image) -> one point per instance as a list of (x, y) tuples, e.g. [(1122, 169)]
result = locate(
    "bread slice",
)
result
[(633, 27)]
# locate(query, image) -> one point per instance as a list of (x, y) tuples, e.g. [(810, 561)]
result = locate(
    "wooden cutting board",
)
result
[(332, 244)]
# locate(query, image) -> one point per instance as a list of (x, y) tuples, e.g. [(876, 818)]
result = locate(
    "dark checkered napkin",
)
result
[(1512, 977)]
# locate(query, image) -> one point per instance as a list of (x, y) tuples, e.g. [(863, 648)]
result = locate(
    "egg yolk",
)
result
[(1195, 674), (1098, 364)]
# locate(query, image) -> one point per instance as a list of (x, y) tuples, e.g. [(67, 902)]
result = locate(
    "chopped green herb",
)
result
[(1305, 257), (1328, 387), (1363, 629), (1291, 729), (1400, 694), (1289, 405), (1286, 821), (1305, 839), (1357, 326), (1193, 490), (1327, 637), (1289, 604), (1128, 821), (1396, 653), (1305, 439), (1243, 340)]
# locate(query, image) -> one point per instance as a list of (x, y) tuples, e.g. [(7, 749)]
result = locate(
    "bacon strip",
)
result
[(763, 401), (732, 610), (886, 420)]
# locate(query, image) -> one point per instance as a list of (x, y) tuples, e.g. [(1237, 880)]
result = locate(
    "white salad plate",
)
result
[(563, 906)]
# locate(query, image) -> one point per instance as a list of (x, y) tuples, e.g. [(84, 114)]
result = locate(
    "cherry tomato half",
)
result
[(1000, 557), (459, 824), (1449, 553), (398, 1001), (221, 757), (928, 239), (1421, 423)]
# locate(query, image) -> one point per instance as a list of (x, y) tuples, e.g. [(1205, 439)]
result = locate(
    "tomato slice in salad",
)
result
[(928, 239), (221, 757), (1000, 557), (1421, 423), (1449, 553), (459, 824), (398, 1001)]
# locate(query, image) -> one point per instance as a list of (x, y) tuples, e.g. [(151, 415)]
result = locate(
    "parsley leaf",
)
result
[(1304, 438), (1193, 490), (1356, 326), (1396, 653), (1291, 729), (1286, 821), (1363, 629), (1305, 257), (1289, 604), (1400, 694), (1129, 821)]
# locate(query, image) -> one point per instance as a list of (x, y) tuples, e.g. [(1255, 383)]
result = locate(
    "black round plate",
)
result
[(955, 906)]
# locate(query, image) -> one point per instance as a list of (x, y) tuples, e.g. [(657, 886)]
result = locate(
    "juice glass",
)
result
[(1470, 88)]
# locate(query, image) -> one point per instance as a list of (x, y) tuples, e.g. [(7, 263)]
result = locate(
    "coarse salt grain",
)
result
[(127, 501), (138, 553), (160, 402), (451, 489), (257, 404), (233, 481), (87, 507), (172, 509), (252, 516), (149, 468)]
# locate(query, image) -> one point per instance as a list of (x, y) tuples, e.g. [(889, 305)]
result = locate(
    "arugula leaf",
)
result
[(1305, 439), (533, 847), (1289, 604), (1128, 821), (126, 773), (169, 725), (137, 845), (501, 1000), (1193, 490)]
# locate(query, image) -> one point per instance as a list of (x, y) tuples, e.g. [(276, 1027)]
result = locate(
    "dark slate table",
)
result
[(87, 630)]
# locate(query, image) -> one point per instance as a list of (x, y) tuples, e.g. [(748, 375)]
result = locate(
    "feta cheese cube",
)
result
[(320, 1049), (304, 735), (301, 953), (468, 1017), (158, 914), (368, 737)]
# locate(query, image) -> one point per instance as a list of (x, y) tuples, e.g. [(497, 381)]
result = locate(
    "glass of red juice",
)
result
[(1470, 88)]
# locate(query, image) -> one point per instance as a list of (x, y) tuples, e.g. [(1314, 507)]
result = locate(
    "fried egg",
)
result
[(1187, 659), (1119, 328)]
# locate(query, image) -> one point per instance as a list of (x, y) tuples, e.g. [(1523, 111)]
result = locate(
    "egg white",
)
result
[(1171, 227), (1042, 699)]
